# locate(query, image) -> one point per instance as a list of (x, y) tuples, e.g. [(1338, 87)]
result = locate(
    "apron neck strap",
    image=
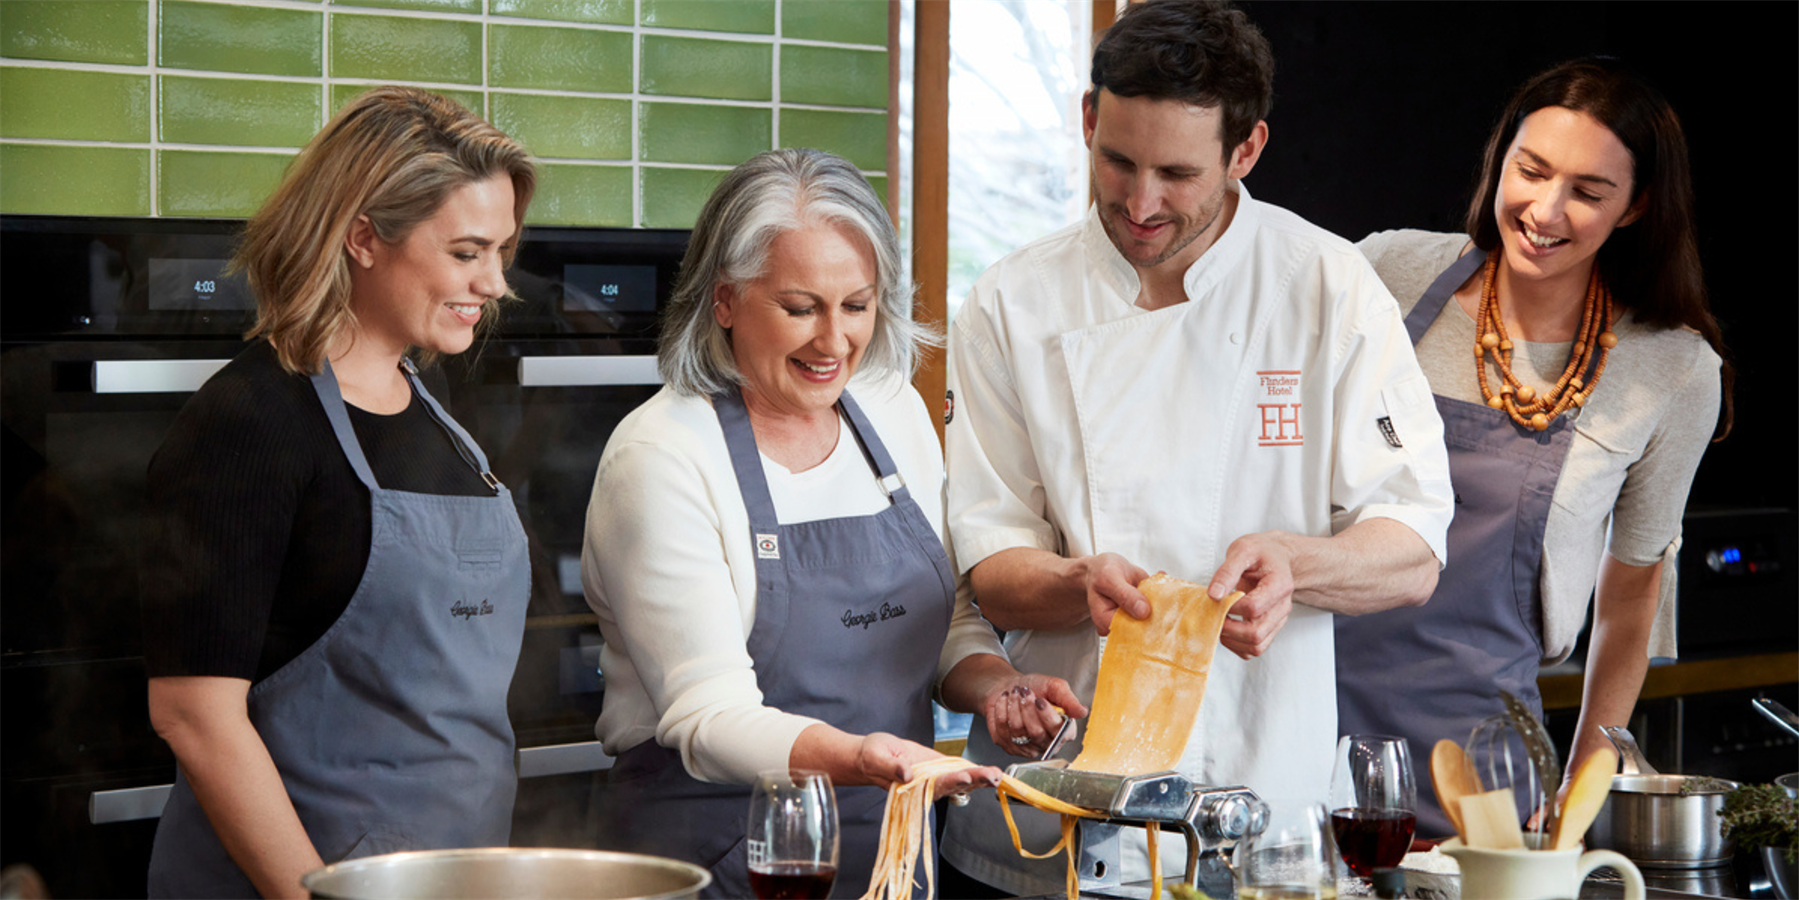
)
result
[(752, 482), (872, 448), (740, 441), (332, 398), (1427, 308)]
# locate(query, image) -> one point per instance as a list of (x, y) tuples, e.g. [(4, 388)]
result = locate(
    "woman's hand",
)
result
[(886, 760), (1022, 715)]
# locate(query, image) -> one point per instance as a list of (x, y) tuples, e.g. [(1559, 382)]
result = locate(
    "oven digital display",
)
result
[(186, 284), (625, 289)]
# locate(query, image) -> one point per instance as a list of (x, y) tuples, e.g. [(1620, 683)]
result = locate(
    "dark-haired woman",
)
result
[(1578, 370)]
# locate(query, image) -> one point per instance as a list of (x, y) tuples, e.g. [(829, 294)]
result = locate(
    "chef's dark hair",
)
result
[(394, 154), (769, 194), (1651, 265), (1195, 51)]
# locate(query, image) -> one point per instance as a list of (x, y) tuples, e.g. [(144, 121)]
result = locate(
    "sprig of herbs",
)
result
[(1761, 815), (1704, 784), (1184, 891)]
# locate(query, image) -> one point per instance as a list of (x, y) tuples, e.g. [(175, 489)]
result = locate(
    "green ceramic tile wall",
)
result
[(97, 31), (698, 67), (834, 76), (841, 21), (224, 185), (253, 40), (556, 126), (41, 179), (235, 111), (596, 12), (192, 107), (672, 197), (33, 104), (743, 16), (559, 59), (406, 48)]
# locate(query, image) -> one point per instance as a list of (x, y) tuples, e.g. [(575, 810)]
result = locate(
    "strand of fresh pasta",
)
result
[(904, 833)]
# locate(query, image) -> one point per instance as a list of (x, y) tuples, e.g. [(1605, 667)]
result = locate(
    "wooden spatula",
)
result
[(1453, 777), (1586, 793)]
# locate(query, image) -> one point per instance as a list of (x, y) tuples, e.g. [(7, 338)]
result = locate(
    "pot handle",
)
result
[(1618, 862)]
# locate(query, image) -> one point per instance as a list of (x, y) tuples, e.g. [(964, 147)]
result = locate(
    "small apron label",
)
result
[(768, 546)]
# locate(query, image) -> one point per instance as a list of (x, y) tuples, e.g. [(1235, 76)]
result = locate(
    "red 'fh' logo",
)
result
[(1278, 410)]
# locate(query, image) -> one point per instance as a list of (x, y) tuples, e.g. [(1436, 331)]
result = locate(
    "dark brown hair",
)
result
[(1195, 51), (1652, 265)]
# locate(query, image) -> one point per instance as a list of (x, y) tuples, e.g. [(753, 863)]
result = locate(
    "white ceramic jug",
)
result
[(1535, 874)]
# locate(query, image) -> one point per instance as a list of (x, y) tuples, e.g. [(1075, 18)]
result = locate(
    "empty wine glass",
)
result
[(1374, 801), (1291, 858), (792, 845)]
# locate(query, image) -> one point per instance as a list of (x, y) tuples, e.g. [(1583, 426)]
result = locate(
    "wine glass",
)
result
[(1374, 801), (1291, 858), (792, 845)]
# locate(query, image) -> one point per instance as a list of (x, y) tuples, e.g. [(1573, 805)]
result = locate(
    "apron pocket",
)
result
[(378, 839), (480, 557)]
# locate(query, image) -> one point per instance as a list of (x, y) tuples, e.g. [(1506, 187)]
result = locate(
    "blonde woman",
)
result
[(336, 598)]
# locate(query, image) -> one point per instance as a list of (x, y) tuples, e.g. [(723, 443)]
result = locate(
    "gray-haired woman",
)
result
[(765, 552)]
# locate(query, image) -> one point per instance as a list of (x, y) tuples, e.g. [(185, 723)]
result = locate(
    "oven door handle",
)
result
[(132, 804), (127, 805), (562, 759), (586, 371), (153, 376)]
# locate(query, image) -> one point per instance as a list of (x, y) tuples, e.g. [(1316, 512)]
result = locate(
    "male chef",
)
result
[(1191, 381)]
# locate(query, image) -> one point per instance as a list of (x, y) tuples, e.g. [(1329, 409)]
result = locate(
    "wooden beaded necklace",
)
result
[(1519, 400)]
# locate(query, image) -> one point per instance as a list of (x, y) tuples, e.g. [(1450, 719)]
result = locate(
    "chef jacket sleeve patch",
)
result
[(949, 406), (1386, 431), (1411, 412)]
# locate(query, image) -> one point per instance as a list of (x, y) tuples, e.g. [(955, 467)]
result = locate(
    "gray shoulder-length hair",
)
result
[(772, 193)]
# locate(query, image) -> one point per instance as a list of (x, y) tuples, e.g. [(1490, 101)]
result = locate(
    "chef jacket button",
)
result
[(1236, 337)]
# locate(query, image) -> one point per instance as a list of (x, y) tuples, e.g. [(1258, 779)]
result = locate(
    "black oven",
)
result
[(108, 325)]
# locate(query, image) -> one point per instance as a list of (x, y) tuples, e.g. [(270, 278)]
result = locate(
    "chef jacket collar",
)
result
[(1219, 259)]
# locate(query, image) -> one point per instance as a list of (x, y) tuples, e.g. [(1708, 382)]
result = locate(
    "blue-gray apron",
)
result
[(850, 616), (1435, 671), (390, 732)]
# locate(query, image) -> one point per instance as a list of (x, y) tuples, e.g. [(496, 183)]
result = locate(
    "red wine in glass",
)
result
[(792, 880), (1370, 839)]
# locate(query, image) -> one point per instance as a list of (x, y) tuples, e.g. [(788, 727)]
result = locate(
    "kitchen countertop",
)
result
[(1561, 685), (1745, 880)]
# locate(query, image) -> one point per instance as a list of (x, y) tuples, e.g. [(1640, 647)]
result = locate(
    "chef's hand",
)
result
[(1261, 566), (887, 760), (1022, 718), (1111, 582)]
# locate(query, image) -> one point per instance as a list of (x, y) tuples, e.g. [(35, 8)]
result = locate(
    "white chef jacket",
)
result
[(1283, 395)]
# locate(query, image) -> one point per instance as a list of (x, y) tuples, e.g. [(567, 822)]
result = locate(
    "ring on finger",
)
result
[(1021, 740)]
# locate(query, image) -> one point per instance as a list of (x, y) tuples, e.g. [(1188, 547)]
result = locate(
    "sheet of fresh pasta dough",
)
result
[(1152, 677)]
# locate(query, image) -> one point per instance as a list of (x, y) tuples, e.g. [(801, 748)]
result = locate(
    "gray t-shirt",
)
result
[(1636, 443)]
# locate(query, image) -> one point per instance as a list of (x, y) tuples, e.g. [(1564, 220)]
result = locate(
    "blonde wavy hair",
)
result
[(394, 155)]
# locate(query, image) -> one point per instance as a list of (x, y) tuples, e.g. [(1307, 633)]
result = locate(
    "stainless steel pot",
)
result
[(492, 873), (1648, 819), (1783, 874)]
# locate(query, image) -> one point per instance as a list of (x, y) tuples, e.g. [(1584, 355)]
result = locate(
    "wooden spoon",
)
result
[(1453, 777), (1586, 793)]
